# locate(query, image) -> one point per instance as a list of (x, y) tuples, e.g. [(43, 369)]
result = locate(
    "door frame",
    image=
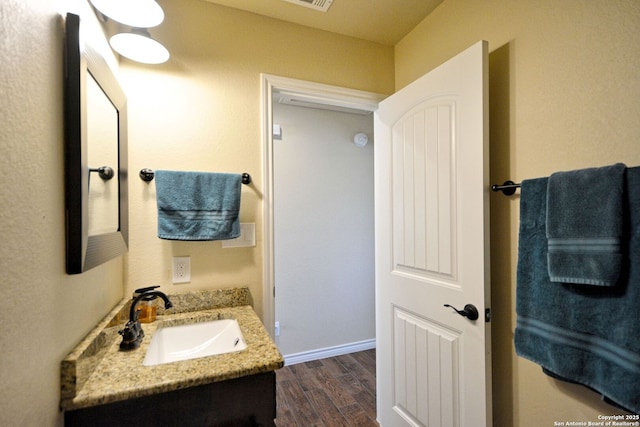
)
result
[(305, 91)]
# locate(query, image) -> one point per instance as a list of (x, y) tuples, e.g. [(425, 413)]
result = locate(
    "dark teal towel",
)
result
[(198, 205), (584, 334), (584, 225)]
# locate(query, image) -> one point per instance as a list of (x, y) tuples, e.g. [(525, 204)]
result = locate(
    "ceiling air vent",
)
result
[(322, 5)]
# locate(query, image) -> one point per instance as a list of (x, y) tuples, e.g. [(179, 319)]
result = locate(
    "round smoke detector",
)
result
[(360, 139)]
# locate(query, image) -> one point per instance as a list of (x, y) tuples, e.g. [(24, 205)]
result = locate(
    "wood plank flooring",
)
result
[(334, 392)]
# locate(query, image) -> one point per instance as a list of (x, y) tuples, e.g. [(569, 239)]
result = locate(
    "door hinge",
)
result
[(487, 315)]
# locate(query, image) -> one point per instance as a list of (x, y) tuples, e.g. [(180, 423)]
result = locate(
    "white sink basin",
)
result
[(183, 342)]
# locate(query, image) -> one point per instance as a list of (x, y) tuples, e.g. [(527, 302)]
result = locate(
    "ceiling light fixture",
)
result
[(134, 13), (138, 46)]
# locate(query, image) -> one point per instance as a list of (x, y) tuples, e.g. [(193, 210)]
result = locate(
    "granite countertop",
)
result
[(96, 372)]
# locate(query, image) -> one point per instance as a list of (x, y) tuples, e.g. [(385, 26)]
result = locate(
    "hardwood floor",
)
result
[(333, 392)]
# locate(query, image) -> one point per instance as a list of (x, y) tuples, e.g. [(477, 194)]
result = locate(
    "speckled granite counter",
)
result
[(96, 372)]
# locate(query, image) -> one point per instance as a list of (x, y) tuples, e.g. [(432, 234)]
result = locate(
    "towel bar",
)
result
[(508, 188), (148, 175), (105, 172)]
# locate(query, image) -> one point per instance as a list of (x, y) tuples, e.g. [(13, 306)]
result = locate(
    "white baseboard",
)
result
[(323, 353)]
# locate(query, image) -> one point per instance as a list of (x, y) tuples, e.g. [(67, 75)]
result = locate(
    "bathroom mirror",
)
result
[(95, 156)]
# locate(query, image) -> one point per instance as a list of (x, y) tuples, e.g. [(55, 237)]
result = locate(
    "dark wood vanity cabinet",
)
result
[(243, 402)]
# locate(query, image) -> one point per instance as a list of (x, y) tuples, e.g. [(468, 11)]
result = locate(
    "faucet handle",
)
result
[(143, 290)]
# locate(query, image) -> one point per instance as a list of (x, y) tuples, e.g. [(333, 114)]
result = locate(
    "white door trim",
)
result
[(317, 93)]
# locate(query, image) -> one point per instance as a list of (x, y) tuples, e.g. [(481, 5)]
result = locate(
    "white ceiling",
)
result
[(380, 21)]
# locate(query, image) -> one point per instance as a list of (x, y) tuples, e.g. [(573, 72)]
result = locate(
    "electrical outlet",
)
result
[(181, 269), (277, 329)]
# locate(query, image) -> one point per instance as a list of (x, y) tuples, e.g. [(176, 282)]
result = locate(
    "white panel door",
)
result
[(432, 248)]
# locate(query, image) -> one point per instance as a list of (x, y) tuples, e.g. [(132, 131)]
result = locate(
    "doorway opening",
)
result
[(299, 94)]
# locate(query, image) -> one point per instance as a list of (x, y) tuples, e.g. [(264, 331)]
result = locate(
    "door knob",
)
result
[(470, 311)]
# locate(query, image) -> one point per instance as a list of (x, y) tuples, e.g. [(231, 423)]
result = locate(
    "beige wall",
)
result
[(201, 111), (564, 93), (44, 312)]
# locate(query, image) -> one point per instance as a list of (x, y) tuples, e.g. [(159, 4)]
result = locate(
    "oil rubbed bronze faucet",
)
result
[(132, 333)]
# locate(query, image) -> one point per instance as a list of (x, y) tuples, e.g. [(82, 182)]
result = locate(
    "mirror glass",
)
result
[(95, 156), (102, 150)]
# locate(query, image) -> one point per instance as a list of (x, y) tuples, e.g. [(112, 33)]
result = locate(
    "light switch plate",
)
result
[(247, 237)]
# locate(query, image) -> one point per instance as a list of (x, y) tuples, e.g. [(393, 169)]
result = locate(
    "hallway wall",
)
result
[(324, 235)]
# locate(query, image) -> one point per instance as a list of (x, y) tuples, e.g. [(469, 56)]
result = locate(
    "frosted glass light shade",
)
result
[(134, 13), (140, 47)]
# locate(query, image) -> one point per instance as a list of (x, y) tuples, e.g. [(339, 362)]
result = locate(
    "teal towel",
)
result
[(198, 205), (584, 334), (584, 225)]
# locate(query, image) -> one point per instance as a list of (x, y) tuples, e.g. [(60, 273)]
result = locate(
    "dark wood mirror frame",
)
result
[(86, 251)]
